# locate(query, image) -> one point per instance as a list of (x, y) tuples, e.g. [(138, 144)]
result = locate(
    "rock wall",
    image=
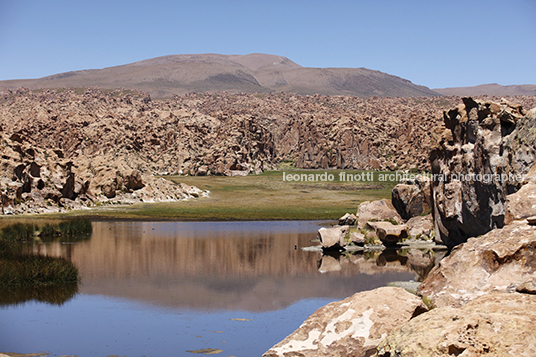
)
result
[(154, 137), (37, 180), (479, 157)]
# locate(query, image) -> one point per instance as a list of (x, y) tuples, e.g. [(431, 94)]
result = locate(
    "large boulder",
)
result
[(520, 205), (378, 211), (332, 238), (134, 180), (497, 324), (389, 233), (421, 227), (478, 158), (498, 261), (348, 219), (412, 199), (351, 327)]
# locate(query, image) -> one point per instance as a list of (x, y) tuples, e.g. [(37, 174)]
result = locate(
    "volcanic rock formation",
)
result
[(481, 156)]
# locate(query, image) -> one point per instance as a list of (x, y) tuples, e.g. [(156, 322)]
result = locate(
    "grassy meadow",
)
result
[(267, 196)]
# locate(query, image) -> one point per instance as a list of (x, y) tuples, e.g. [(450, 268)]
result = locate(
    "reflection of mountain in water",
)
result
[(253, 266)]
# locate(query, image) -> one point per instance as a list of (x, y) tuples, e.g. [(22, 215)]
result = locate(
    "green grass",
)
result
[(24, 270), (32, 270), (13, 229), (259, 197)]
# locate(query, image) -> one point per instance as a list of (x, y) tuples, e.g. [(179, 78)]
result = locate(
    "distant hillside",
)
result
[(492, 89), (262, 73)]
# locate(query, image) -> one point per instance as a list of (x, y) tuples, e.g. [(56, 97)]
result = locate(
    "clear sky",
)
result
[(432, 43)]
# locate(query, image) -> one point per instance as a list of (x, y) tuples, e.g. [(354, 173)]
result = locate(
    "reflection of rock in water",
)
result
[(329, 263), (250, 266), (419, 261)]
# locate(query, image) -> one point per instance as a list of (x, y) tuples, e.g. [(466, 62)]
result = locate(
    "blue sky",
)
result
[(432, 43)]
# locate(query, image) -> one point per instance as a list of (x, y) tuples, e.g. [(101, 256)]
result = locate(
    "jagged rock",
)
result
[(478, 160), (520, 205), (134, 181), (348, 219), (497, 324), (351, 327), (376, 210), (37, 180), (412, 200), (388, 233), (495, 262), (528, 286), (333, 237), (357, 238), (421, 227)]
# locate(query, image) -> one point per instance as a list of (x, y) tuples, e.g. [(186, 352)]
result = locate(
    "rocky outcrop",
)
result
[(498, 261), (479, 158), (421, 227), (388, 233), (333, 238), (351, 327), (497, 324), (520, 205), (412, 199), (202, 134), (37, 180), (348, 219), (164, 137), (376, 211)]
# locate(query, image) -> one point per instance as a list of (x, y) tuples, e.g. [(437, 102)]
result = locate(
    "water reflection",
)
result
[(418, 261), (254, 266), (28, 274), (163, 288), (52, 294)]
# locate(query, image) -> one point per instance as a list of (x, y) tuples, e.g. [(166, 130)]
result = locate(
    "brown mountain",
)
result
[(492, 89), (180, 74)]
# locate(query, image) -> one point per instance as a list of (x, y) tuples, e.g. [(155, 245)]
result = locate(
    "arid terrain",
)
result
[(163, 77), (493, 89), (58, 144)]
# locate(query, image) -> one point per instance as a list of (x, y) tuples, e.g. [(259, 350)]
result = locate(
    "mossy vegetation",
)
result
[(18, 270), (32, 270), (44, 229)]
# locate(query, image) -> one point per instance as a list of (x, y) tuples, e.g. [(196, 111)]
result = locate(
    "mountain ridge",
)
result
[(169, 75), (492, 89)]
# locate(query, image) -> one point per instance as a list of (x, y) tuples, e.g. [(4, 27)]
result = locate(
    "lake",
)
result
[(176, 288)]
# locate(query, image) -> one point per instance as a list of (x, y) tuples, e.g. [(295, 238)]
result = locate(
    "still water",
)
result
[(171, 288)]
